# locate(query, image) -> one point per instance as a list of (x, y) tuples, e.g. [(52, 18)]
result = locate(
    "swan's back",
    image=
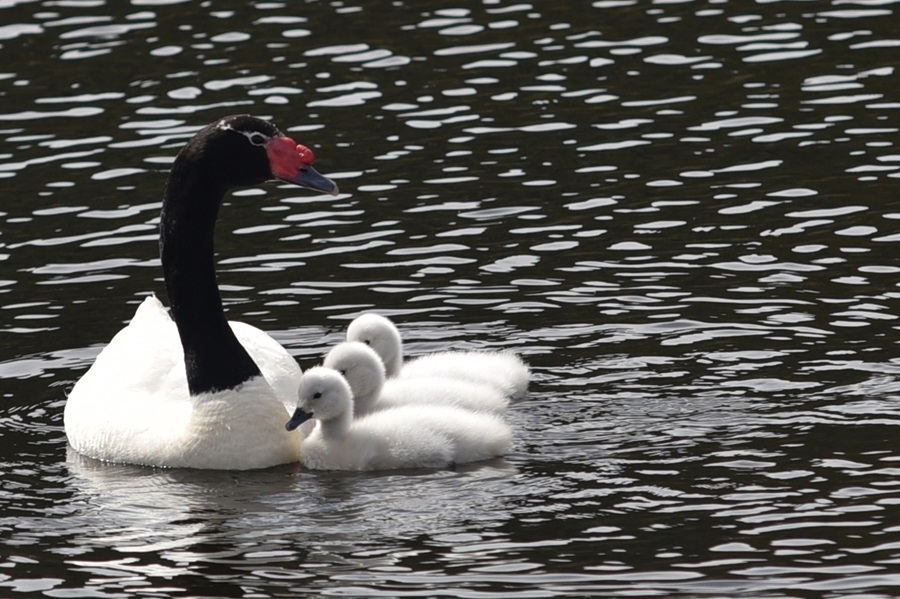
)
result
[(276, 364), (149, 350), (103, 396), (148, 417)]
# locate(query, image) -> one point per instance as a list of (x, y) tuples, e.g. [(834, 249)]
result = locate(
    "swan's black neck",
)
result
[(235, 151), (213, 357)]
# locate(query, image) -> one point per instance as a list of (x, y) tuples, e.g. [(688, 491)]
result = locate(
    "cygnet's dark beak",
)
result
[(300, 416)]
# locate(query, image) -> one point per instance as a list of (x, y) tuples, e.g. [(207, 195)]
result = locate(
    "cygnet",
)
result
[(501, 369), (365, 373), (412, 436)]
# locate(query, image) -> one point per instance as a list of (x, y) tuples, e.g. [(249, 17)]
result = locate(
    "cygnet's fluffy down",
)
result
[(365, 373), (502, 370), (397, 438)]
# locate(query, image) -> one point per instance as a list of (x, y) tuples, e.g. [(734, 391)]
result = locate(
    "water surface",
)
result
[(682, 214)]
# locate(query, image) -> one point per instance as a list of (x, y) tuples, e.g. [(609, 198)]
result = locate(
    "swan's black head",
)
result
[(242, 150)]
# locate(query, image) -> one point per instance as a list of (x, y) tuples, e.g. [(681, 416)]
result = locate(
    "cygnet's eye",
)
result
[(317, 395), (257, 139), (367, 342), (343, 372)]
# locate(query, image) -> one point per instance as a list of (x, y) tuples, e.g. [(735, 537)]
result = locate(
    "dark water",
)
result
[(683, 214)]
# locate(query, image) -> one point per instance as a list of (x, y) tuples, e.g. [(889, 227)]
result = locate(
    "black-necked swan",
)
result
[(502, 369), (402, 437), (197, 392), (364, 371)]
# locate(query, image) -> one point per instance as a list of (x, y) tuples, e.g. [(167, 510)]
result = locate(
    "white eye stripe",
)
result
[(257, 139), (254, 137)]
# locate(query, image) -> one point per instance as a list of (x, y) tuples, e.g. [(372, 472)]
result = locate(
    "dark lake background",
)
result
[(683, 214)]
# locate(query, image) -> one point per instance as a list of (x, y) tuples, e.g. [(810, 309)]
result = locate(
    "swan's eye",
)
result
[(257, 139)]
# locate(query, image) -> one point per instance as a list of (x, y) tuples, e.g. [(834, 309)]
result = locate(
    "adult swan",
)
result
[(198, 392)]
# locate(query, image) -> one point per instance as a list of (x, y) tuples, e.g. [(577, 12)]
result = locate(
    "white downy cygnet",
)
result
[(365, 373), (501, 369), (412, 436)]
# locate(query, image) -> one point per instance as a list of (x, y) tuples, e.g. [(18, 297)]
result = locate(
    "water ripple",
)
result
[(688, 245)]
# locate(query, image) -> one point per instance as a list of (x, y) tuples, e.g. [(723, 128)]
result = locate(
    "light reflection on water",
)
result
[(681, 214)]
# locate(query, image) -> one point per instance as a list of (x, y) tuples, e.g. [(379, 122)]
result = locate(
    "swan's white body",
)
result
[(365, 372), (411, 436), (502, 370), (133, 404)]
